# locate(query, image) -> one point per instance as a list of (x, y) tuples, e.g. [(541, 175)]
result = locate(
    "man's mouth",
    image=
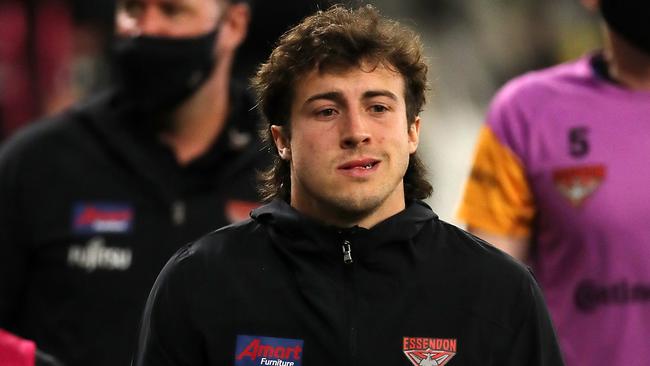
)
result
[(361, 164)]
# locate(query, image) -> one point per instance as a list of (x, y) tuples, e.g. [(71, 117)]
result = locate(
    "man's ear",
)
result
[(281, 141), (234, 26), (414, 135)]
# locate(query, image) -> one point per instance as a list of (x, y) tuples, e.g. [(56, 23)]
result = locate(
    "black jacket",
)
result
[(276, 289), (92, 207)]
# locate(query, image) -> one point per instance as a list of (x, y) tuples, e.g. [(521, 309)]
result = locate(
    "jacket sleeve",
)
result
[(497, 197), (168, 336), (13, 251), (535, 343)]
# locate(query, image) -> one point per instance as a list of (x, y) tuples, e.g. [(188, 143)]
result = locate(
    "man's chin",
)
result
[(354, 208)]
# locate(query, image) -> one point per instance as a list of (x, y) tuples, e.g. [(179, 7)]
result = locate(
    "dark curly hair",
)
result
[(338, 39)]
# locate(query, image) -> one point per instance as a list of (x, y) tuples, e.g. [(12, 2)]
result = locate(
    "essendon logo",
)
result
[(254, 350), (578, 183), (429, 351), (96, 218)]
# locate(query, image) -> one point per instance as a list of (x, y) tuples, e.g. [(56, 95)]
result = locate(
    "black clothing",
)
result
[(414, 282), (91, 208)]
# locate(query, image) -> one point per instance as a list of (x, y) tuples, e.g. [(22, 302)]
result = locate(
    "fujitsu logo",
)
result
[(96, 255), (254, 350)]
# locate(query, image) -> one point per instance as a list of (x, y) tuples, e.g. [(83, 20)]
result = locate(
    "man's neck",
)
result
[(332, 214), (627, 64), (199, 121)]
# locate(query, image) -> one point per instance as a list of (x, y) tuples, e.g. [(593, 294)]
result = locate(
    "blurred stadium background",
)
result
[(54, 52)]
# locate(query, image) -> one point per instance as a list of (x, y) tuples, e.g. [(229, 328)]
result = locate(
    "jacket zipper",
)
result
[(350, 301), (178, 213), (347, 252)]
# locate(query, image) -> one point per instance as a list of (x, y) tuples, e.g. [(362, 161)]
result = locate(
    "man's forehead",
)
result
[(366, 64), (362, 79)]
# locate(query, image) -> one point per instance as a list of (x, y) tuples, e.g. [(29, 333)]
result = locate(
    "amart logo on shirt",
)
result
[(90, 218), (268, 351)]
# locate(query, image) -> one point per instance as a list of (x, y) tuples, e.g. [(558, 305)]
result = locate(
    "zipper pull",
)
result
[(347, 252), (178, 213)]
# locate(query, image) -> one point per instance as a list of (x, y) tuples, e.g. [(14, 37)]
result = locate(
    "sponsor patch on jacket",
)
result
[(237, 210), (96, 255), (256, 350), (576, 184), (89, 218), (429, 351)]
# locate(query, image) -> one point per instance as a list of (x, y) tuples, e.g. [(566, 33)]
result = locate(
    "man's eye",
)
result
[(170, 9), (378, 108), (328, 112)]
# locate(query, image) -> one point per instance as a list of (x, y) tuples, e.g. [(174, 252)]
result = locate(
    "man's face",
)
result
[(349, 145), (167, 18)]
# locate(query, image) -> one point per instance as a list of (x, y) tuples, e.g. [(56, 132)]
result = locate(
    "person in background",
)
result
[(94, 201), (345, 265), (560, 181), (16, 351)]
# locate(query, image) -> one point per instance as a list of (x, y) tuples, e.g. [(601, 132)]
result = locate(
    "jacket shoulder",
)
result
[(497, 288), (227, 246), (482, 259), (52, 136)]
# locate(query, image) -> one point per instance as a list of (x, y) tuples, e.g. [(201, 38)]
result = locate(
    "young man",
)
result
[(560, 180), (95, 201), (345, 266)]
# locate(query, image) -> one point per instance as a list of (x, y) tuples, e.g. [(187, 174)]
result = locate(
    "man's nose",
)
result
[(354, 131)]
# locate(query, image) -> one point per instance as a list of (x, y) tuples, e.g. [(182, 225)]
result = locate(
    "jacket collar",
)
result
[(298, 233)]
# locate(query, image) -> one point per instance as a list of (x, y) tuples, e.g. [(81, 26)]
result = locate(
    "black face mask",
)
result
[(156, 74), (630, 19)]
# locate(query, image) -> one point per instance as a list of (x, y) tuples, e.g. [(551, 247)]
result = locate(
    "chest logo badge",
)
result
[(577, 184), (89, 218), (429, 351), (256, 351), (96, 255)]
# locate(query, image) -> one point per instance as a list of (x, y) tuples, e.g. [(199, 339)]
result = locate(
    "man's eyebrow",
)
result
[(338, 96), (332, 95), (379, 93)]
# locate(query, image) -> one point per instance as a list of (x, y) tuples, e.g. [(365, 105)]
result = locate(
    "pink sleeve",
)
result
[(15, 351)]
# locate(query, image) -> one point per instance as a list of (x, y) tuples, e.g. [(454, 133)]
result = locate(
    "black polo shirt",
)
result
[(91, 208)]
